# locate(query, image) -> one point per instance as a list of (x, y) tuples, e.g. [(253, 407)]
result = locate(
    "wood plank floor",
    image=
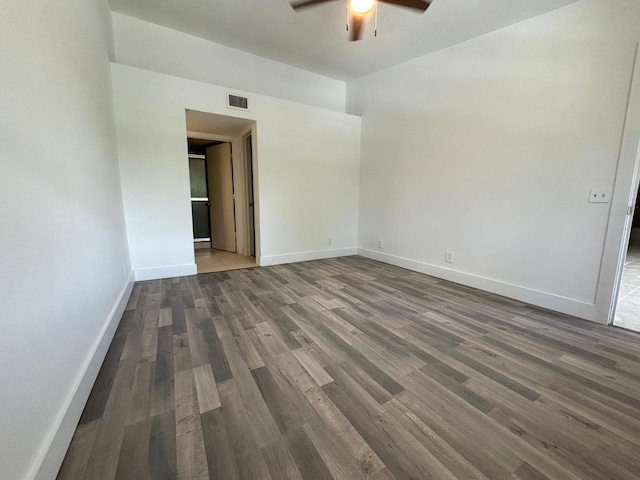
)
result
[(353, 369)]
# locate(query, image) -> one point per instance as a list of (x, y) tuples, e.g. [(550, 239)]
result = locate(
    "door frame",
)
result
[(627, 179), (625, 242), (250, 191)]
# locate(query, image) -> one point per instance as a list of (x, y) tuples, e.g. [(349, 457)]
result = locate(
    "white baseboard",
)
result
[(266, 261), (171, 271), (55, 447), (569, 306)]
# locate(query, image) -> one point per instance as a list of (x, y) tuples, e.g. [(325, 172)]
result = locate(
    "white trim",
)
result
[(305, 256), (626, 237), (548, 300), (55, 445), (199, 199), (249, 220), (256, 191), (197, 156), (170, 271)]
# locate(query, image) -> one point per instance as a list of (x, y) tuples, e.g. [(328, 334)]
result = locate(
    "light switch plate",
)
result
[(599, 195)]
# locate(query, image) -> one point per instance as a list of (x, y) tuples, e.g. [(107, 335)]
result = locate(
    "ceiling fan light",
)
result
[(362, 6)]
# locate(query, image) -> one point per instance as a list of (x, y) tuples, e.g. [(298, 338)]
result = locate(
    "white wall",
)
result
[(489, 148), (63, 241), (307, 162), (160, 49)]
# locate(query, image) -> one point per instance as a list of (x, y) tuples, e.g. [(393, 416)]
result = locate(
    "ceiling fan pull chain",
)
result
[(375, 32), (348, 15)]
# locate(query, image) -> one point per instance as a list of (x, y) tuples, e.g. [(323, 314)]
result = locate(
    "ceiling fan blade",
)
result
[(307, 3), (421, 5), (356, 27)]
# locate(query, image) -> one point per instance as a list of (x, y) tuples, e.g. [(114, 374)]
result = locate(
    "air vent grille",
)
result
[(236, 101)]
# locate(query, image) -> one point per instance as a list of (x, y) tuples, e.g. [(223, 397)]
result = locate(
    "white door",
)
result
[(222, 209)]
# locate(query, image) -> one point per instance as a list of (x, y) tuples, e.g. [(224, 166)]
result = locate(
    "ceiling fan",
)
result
[(359, 9)]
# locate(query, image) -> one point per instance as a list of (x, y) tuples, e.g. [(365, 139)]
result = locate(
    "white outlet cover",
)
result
[(599, 195)]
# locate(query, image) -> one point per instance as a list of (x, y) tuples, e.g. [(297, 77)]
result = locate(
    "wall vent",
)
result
[(238, 102)]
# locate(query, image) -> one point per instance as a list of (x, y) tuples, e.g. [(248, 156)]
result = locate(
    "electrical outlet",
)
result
[(448, 257), (599, 195), (329, 241), (380, 244)]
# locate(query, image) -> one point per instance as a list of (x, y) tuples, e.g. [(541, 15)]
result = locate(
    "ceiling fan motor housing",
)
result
[(360, 8)]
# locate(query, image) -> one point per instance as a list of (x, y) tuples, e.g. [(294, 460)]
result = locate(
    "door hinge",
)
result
[(629, 210)]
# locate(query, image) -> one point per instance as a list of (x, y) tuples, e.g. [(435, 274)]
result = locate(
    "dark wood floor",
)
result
[(352, 369)]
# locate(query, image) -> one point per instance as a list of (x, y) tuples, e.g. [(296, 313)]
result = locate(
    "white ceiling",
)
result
[(315, 38)]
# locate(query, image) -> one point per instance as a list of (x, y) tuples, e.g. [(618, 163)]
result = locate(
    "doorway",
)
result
[(251, 217), (627, 314), (222, 191), (619, 288)]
